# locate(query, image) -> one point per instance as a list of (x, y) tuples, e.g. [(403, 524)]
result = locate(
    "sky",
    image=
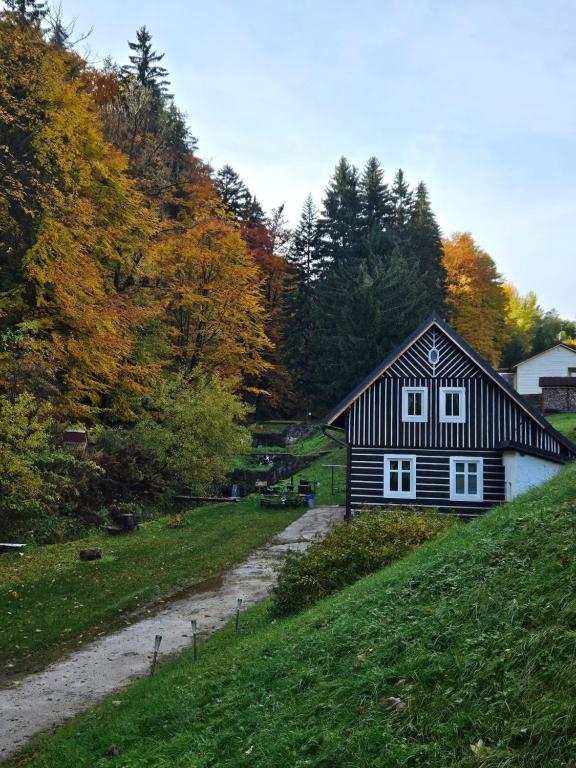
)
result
[(475, 98)]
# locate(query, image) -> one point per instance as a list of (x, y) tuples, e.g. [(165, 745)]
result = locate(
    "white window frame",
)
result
[(479, 495), (405, 415), (411, 494), (461, 419)]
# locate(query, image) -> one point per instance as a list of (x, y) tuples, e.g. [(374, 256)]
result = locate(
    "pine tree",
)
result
[(363, 310), (27, 12), (425, 242), (299, 304), (339, 224), (377, 209), (232, 191), (144, 64), (403, 201)]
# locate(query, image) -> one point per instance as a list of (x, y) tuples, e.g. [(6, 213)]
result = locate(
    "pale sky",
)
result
[(478, 99)]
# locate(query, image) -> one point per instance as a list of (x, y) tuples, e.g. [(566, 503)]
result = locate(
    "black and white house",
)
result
[(435, 425)]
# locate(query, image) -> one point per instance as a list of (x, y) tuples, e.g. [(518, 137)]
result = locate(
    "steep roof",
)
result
[(545, 352), (435, 320)]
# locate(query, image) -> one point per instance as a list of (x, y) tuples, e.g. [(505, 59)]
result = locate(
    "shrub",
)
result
[(374, 538), (42, 486), (187, 435)]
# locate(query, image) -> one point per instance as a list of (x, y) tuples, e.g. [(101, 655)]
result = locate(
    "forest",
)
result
[(151, 299)]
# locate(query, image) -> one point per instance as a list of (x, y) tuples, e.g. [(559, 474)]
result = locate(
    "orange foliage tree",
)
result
[(74, 226), (476, 299)]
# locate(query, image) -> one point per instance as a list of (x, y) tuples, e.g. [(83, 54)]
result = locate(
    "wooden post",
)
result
[(157, 641), (194, 650), (238, 606)]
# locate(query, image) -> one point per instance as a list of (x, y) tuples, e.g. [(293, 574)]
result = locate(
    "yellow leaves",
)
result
[(214, 303), (475, 295)]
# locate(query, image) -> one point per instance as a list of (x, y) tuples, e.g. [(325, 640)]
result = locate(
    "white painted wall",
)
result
[(522, 472), (552, 362)]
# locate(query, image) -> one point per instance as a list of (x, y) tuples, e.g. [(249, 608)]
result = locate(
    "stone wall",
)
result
[(558, 394)]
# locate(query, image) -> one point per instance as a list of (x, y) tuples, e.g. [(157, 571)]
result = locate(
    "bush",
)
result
[(42, 486), (187, 435), (374, 538)]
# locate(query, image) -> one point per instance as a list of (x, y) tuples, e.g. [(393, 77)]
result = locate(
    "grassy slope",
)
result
[(462, 654), (564, 422), (51, 602)]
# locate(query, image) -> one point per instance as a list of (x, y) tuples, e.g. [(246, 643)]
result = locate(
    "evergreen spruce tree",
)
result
[(59, 34), (299, 303), (426, 246), (233, 192), (364, 309), (382, 274), (403, 201), (339, 224), (377, 209), (144, 64), (27, 11)]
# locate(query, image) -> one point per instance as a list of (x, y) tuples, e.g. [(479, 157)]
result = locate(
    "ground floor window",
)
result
[(465, 479), (399, 476)]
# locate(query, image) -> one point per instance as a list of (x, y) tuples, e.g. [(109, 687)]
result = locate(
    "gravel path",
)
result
[(72, 685)]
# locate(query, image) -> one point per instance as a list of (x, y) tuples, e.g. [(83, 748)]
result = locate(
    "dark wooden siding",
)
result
[(366, 479), (492, 417)]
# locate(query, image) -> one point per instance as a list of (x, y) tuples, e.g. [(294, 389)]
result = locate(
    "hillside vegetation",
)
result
[(461, 654)]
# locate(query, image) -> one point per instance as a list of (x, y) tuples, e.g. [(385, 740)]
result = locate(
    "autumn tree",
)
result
[(73, 226), (212, 296), (476, 299)]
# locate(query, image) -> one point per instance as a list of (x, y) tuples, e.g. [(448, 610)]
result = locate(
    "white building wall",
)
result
[(522, 472), (553, 362)]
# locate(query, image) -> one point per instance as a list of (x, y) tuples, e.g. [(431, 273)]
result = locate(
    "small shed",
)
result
[(76, 439)]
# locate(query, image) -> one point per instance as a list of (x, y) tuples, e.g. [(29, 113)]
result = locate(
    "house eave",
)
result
[(511, 445)]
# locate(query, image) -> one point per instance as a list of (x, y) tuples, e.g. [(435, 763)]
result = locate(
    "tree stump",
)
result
[(90, 554)]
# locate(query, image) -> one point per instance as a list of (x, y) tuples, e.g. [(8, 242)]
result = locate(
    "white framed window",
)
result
[(399, 476), (414, 404), (453, 404), (466, 478)]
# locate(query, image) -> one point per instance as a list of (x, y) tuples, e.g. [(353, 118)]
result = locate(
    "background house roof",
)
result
[(544, 352)]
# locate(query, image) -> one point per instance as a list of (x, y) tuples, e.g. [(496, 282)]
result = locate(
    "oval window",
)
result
[(433, 355)]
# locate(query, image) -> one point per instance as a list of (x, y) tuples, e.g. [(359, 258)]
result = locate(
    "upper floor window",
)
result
[(414, 404), (453, 404)]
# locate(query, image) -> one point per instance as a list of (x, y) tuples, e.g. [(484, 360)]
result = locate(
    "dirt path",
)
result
[(72, 685)]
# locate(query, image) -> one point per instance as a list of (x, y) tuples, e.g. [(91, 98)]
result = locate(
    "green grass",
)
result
[(50, 602), (565, 423), (461, 655), (270, 427)]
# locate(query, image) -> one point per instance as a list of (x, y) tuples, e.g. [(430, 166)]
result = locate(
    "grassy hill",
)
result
[(462, 654)]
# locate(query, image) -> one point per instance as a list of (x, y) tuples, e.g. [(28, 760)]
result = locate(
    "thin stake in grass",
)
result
[(194, 624), (238, 607), (157, 641)]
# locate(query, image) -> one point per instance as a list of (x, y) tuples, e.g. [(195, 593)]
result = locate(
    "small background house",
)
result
[(435, 425), (557, 362)]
